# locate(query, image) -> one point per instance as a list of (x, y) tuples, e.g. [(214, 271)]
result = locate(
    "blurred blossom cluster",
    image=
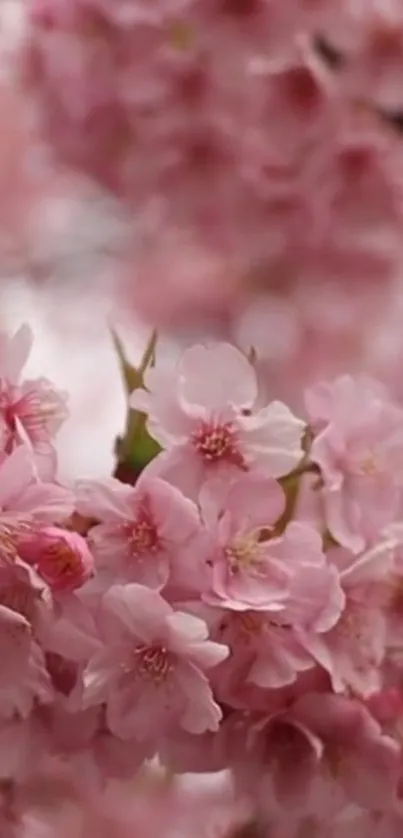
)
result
[(237, 155)]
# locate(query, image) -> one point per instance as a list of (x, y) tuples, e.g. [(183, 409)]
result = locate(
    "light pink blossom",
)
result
[(359, 452), (31, 411), (263, 657), (278, 760), (312, 759), (151, 670), (362, 759), (204, 414), (354, 649), (23, 497), (240, 517), (25, 605), (150, 534)]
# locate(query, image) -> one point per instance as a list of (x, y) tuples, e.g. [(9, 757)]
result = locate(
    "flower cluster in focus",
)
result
[(239, 608)]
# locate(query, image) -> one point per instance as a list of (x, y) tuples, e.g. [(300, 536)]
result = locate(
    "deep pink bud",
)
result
[(61, 557)]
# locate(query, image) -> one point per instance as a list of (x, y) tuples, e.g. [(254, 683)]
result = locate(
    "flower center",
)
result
[(217, 442), (250, 624), (242, 553), (36, 410), (154, 663), (368, 465), (141, 535), (181, 35), (350, 625), (355, 629), (62, 558), (8, 541)]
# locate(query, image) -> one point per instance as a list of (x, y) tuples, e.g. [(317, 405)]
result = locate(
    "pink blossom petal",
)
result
[(175, 516), (98, 676), (139, 609), (201, 712), (73, 635), (252, 499), (107, 499), (212, 377), (46, 502), (189, 634), (170, 466), (279, 665), (274, 435)]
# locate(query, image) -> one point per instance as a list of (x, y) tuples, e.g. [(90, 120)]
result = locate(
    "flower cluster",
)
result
[(239, 607), (259, 141)]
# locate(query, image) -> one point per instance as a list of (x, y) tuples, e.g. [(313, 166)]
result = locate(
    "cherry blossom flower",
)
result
[(281, 759), (30, 411), (154, 657), (354, 649), (147, 534), (358, 449), (240, 517), (23, 497), (263, 657), (315, 598), (204, 414), (364, 761), (311, 758), (26, 606)]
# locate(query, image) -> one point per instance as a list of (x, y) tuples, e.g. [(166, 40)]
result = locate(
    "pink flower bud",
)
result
[(61, 557)]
